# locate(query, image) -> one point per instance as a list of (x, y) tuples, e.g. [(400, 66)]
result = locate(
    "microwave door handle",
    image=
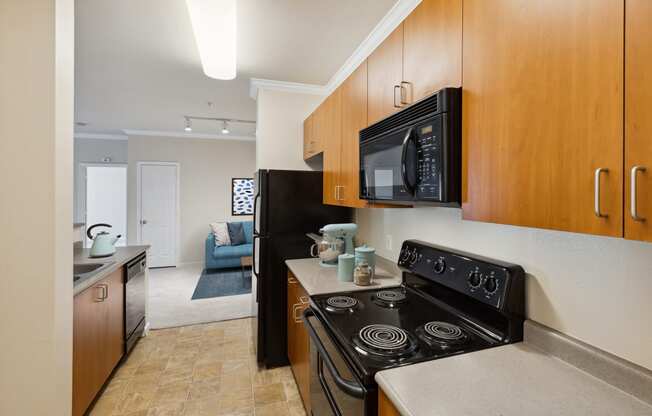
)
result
[(404, 174), (349, 387)]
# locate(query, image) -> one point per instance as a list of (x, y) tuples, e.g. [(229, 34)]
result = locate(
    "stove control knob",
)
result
[(405, 255), (475, 279), (440, 266), (414, 257), (491, 285)]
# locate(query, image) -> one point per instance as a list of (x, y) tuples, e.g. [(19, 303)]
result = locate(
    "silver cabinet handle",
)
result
[(405, 89), (596, 207), (335, 193), (104, 292), (396, 87), (632, 192), (296, 312)]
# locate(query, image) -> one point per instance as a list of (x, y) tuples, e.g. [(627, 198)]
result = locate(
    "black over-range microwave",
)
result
[(415, 155)]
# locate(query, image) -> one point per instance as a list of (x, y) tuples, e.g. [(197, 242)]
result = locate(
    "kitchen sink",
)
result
[(81, 271)]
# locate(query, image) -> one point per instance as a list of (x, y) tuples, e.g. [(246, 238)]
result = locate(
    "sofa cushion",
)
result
[(241, 250), (221, 233), (248, 228), (236, 233)]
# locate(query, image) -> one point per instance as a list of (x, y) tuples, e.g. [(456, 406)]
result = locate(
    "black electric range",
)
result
[(450, 302)]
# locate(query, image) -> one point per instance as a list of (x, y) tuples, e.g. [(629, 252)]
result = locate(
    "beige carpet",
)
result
[(170, 304)]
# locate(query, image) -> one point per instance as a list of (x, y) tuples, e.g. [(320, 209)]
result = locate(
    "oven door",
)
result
[(334, 390), (388, 166)]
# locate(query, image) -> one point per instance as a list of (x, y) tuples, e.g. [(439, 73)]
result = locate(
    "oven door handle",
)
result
[(404, 149), (349, 387)]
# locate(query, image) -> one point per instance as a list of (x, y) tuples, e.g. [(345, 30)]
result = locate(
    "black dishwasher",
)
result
[(134, 301)]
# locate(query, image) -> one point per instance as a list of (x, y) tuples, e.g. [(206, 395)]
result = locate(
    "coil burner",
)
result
[(341, 304), (386, 341), (442, 333), (389, 298)]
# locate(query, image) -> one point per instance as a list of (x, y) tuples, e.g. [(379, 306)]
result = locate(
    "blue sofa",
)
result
[(224, 257)]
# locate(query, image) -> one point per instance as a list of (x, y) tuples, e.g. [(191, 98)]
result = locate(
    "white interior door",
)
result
[(106, 199), (158, 212)]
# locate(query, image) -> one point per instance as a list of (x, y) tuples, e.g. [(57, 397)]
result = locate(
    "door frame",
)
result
[(139, 214), (82, 181)]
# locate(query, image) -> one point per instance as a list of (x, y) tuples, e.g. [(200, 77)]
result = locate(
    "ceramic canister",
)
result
[(345, 266), (367, 255)]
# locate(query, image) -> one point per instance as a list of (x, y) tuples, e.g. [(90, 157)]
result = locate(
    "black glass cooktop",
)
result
[(380, 329)]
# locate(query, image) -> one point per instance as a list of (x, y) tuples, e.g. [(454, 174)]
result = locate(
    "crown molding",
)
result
[(185, 135), (387, 24), (269, 84), (100, 136)]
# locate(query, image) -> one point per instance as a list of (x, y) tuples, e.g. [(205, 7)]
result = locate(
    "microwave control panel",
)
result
[(429, 160)]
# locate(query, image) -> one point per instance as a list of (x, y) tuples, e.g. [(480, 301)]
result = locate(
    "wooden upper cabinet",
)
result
[(308, 139), (385, 72), (542, 111), (638, 123), (331, 140), (432, 48), (354, 119)]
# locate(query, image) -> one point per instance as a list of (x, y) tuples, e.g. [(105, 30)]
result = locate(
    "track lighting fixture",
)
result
[(225, 122)]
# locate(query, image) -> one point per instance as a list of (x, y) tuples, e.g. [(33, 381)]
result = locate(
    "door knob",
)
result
[(143, 222)]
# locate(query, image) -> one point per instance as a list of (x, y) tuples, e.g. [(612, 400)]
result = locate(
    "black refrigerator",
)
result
[(287, 206)]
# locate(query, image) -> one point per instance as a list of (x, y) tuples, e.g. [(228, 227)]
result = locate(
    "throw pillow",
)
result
[(221, 233), (236, 233)]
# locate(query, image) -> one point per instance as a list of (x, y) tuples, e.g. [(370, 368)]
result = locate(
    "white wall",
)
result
[(93, 151), (206, 169), (36, 119), (596, 289), (279, 134)]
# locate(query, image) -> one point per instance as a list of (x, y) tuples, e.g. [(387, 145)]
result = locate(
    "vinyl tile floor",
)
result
[(171, 304), (199, 370)]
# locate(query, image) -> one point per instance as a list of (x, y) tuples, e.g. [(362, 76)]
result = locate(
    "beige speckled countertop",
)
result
[(512, 380), (316, 279), (122, 256)]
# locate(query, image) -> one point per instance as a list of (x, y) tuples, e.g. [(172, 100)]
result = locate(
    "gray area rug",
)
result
[(218, 283)]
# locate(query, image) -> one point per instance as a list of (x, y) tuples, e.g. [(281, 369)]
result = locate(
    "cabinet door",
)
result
[(291, 308), (385, 406), (298, 341), (354, 119), (432, 48), (385, 72), (113, 341), (98, 337), (542, 111), (638, 123), (308, 141), (88, 370), (331, 140)]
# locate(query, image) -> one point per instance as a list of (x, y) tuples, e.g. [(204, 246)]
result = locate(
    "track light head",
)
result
[(225, 129), (188, 127)]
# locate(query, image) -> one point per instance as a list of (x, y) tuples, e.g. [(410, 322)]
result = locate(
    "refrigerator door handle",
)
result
[(256, 236), (256, 232)]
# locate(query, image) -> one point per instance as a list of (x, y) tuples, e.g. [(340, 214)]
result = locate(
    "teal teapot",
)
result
[(103, 242)]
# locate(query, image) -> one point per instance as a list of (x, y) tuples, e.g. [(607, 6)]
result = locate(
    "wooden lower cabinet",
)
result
[(298, 339), (385, 406), (98, 338)]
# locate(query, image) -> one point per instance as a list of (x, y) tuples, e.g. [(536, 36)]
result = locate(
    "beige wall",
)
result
[(206, 169), (279, 128), (596, 289), (36, 119)]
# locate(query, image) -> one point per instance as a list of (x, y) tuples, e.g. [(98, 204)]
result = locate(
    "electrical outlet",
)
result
[(388, 242)]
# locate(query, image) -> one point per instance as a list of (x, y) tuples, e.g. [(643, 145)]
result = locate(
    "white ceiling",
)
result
[(137, 66)]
